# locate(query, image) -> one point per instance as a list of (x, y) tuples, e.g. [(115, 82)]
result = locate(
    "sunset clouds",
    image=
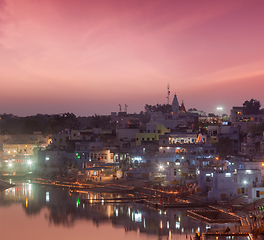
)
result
[(86, 57)]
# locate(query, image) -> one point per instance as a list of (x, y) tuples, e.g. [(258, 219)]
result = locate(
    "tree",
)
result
[(251, 107), (32, 125), (192, 109), (60, 122), (100, 121), (144, 117), (256, 129), (165, 108)]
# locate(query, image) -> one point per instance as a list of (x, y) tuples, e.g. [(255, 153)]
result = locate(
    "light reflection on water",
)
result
[(54, 213)]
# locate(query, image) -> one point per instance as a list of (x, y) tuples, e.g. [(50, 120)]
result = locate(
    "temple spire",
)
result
[(175, 107)]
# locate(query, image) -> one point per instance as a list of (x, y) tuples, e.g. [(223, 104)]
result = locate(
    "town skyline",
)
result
[(88, 57)]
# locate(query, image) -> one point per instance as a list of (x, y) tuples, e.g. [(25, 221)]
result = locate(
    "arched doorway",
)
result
[(178, 151), (183, 151)]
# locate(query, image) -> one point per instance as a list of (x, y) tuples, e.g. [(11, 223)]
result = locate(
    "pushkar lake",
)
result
[(31, 211)]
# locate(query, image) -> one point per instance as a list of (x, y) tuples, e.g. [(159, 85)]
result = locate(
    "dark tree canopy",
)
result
[(31, 125), (256, 129), (251, 107), (60, 122), (99, 121), (165, 108)]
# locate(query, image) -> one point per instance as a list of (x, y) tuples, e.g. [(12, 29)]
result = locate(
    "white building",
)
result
[(255, 193), (103, 155), (221, 185), (245, 179), (180, 173)]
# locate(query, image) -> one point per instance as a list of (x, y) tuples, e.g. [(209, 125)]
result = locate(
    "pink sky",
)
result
[(87, 57)]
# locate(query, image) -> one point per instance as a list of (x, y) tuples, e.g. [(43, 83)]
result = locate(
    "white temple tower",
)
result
[(175, 107)]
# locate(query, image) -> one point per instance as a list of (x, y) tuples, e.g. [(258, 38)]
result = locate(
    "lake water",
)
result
[(30, 211)]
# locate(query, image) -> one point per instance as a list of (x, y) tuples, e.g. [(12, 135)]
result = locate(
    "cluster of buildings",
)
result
[(19, 153), (177, 148)]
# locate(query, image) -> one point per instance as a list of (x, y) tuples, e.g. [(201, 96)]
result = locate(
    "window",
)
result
[(159, 131), (257, 194), (206, 151), (153, 139), (211, 151), (148, 139)]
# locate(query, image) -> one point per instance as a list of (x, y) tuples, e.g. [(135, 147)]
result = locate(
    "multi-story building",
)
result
[(239, 119), (216, 132), (19, 151), (180, 173), (123, 120), (153, 132), (222, 182), (245, 179), (251, 146)]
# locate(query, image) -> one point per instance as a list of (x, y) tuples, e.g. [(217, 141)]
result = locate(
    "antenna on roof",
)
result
[(168, 96), (126, 108), (120, 108)]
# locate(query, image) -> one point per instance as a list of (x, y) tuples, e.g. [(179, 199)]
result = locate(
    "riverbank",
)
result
[(5, 185)]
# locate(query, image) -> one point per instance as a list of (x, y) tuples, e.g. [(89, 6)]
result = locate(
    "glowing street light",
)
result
[(220, 109), (161, 167)]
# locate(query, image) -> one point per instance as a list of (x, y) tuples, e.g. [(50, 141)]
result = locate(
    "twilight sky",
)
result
[(87, 57)]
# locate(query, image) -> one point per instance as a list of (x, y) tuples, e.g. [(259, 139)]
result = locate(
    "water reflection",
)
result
[(65, 209)]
